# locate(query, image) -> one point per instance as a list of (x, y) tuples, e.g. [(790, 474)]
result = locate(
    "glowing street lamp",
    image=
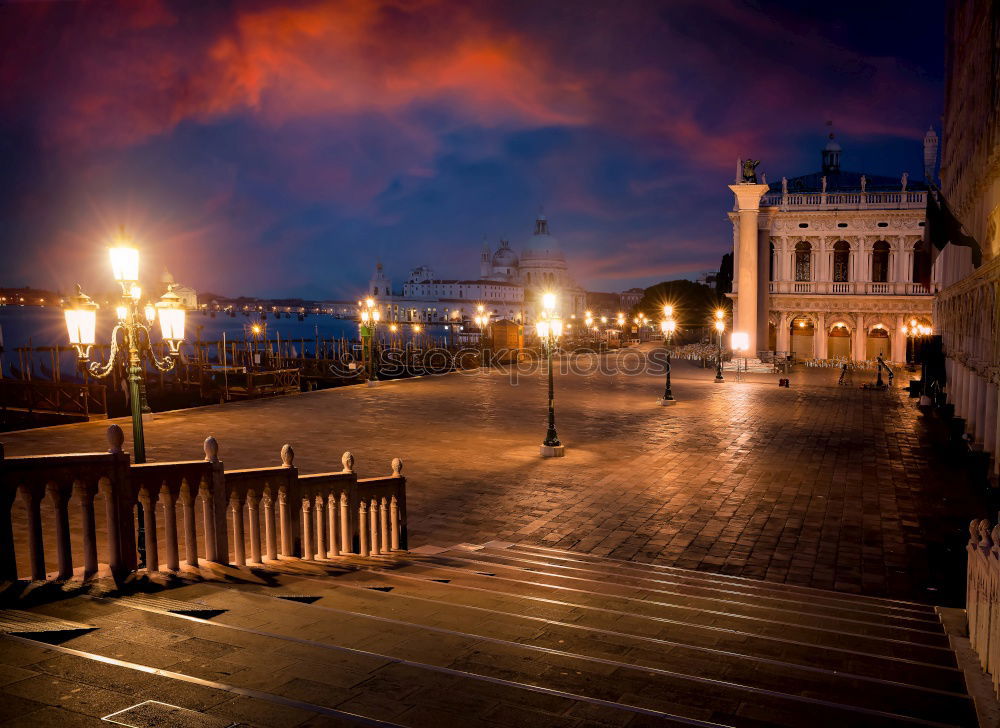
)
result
[(668, 326), (130, 337), (369, 316), (130, 341), (720, 328), (549, 328)]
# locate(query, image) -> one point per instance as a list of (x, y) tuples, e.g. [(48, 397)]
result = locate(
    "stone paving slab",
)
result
[(818, 485)]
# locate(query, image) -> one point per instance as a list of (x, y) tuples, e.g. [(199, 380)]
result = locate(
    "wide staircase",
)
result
[(480, 635)]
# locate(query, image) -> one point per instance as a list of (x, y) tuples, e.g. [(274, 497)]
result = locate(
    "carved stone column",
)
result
[(748, 205), (821, 338), (860, 339), (783, 339)]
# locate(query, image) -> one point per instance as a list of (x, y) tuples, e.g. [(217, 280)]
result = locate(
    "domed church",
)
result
[(509, 286)]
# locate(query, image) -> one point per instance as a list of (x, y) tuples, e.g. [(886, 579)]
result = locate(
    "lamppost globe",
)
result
[(124, 263), (81, 323), (549, 301)]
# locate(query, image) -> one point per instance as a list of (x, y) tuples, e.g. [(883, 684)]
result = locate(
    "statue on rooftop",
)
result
[(784, 185), (824, 184), (750, 171), (864, 183), (906, 178)]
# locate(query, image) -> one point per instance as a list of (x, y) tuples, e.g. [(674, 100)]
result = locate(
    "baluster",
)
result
[(320, 511), (149, 521), (111, 515), (170, 527), (286, 526), (331, 524), (270, 537), (64, 549), (208, 518), (239, 547), (36, 547), (190, 529), (383, 512), (345, 524), (394, 519), (373, 526), (86, 496), (307, 528), (253, 523), (363, 528)]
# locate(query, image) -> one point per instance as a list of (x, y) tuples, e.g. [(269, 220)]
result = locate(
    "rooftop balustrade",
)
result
[(73, 509), (847, 200)]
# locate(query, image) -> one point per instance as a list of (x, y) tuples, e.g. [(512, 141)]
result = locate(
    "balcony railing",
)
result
[(847, 200), (894, 288)]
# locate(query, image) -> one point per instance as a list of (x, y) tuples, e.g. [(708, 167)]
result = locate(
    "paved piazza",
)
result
[(827, 486)]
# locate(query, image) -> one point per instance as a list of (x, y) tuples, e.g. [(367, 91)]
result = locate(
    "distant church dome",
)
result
[(505, 257), (542, 244)]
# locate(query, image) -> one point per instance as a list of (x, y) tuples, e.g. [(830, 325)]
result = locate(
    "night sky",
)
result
[(278, 148)]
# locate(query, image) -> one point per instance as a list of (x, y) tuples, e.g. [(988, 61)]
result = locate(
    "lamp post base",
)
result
[(719, 380), (552, 451), (372, 382), (666, 402)]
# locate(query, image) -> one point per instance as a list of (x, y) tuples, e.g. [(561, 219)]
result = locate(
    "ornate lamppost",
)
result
[(130, 338), (913, 332), (370, 316), (130, 341), (720, 328), (549, 328), (668, 326)]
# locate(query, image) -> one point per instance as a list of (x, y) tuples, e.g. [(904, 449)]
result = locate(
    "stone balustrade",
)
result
[(982, 596), (191, 510)]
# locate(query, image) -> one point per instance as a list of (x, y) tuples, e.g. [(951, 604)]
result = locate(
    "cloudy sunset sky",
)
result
[(278, 148)]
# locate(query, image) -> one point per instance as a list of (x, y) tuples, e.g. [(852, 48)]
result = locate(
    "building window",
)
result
[(880, 262), (841, 261), (803, 261)]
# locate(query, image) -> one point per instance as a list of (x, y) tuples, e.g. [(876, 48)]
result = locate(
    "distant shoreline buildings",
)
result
[(509, 286)]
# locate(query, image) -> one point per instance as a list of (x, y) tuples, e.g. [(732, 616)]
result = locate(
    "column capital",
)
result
[(748, 195)]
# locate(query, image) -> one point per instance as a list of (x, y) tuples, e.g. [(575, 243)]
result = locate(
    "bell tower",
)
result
[(484, 260)]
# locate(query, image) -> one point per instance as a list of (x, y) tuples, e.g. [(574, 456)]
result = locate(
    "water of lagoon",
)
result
[(46, 326)]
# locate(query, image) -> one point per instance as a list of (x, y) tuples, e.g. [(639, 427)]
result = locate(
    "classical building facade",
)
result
[(510, 286), (830, 265), (966, 309)]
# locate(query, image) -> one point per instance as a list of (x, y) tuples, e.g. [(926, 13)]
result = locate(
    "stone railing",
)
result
[(846, 200), (272, 513), (982, 596)]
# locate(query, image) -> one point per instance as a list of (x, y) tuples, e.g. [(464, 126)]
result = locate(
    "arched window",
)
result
[(841, 261), (880, 262), (770, 262), (921, 264), (803, 261)]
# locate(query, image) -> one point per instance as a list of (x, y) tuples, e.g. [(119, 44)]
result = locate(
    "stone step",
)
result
[(771, 599), (355, 666), (914, 644), (738, 583), (336, 598), (56, 685), (447, 586)]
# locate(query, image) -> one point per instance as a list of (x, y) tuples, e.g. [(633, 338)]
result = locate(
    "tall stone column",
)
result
[(784, 336), (860, 337), (821, 337), (748, 285)]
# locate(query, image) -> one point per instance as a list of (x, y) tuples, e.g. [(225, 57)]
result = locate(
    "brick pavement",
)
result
[(815, 485)]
